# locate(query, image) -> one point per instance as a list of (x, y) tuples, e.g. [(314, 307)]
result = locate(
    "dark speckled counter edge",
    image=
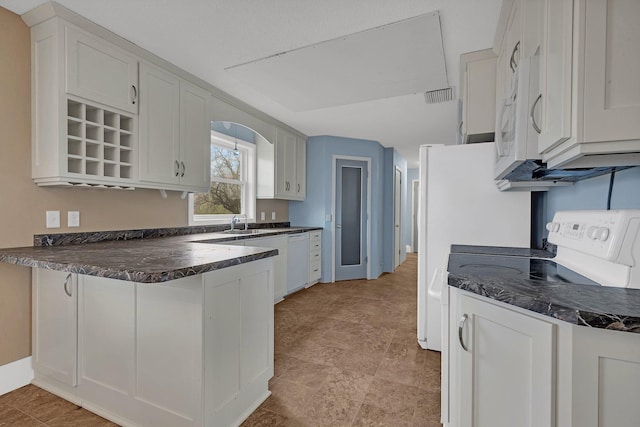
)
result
[(541, 298), (150, 233), (138, 276)]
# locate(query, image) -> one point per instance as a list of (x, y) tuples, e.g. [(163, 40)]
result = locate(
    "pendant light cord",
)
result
[(613, 176)]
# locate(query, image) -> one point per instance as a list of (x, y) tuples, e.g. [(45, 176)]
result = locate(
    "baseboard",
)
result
[(15, 375)]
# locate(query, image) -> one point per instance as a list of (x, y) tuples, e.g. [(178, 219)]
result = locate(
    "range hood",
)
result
[(533, 175)]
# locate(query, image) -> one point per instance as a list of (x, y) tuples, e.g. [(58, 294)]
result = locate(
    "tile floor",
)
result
[(345, 355)]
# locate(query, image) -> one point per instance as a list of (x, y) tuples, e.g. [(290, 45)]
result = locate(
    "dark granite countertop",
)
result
[(579, 304), (146, 260)]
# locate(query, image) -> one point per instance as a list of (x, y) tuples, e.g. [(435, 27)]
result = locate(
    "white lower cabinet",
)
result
[(315, 256), (196, 351), (279, 262), (505, 367), (519, 368), (54, 298)]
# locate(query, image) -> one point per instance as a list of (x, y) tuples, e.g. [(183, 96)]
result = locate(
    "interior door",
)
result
[(351, 219), (397, 212)]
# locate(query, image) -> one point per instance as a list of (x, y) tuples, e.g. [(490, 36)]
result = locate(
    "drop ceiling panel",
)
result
[(402, 58)]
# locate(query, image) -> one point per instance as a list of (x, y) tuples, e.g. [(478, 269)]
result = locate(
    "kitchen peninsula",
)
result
[(168, 331)]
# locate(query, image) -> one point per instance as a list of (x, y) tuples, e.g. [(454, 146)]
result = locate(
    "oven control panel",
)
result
[(610, 235)]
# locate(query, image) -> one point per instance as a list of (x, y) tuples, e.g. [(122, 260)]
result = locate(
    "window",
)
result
[(232, 183)]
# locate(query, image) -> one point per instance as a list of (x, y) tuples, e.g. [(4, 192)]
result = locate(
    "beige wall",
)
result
[(23, 204)]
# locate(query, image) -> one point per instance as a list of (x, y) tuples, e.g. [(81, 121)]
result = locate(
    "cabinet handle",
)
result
[(298, 188), (66, 285), (177, 168), (512, 62), (460, 128), (531, 115), (184, 168), (135, 94), (463, 320)]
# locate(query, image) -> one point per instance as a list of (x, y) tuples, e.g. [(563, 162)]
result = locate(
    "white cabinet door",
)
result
[(506, 373), (478, 93), (611, 71), (555, 74), (195, 136), (301, 168), (297, 262), (99, 71), (279, 262), (285, 164), (55, 325), (159, 125)]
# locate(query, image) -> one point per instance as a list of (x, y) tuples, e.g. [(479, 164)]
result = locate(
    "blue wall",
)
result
[(317, 204), (412, 174), (589, 194)]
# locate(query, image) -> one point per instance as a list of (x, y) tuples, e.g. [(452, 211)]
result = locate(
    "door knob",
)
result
[(338, 226)]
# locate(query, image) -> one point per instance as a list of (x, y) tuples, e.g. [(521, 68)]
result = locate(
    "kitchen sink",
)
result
[(241, 231)]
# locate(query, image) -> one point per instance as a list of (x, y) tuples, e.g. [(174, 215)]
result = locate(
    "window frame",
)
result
[(248, 176)]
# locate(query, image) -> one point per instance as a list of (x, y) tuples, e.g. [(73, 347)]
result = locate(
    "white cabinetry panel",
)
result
[(98, 71), (55, 325), (159, 125), (175, 131), (506, 374), (612, 67)]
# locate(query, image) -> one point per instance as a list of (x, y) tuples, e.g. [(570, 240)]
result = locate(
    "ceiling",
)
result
[(207, 37)]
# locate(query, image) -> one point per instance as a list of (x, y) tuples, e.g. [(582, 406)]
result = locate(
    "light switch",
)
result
[(273, 215), (262, 216), (73, 219), (328, 218), (53, 219)]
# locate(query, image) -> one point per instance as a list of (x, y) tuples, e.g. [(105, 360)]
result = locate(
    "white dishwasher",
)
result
[(297, 262)]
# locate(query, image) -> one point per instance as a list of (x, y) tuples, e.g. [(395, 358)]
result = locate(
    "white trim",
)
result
[(250, 158), (414, 209), (397, 200), (334, 162), (15, 375)]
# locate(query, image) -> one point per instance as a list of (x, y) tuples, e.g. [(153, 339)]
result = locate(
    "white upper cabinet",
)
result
[(282, 166), (478, 90), (590, 91), (175, 131), (159, 125), (554, 100), (99, 71)]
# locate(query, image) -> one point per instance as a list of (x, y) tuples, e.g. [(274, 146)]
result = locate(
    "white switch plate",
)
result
[(73, 219), (53, 219), (273, 215), (328, 218), (262, 216)]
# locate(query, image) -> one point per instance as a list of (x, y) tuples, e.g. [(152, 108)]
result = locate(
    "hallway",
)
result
[(345, 355)]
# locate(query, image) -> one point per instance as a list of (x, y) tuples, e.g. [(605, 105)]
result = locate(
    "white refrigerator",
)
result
[(460, 204)]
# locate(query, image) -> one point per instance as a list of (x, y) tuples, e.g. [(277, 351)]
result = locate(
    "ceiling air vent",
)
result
[(440, 95)]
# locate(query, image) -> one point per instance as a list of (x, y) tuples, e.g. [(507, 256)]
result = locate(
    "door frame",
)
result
[(334, 170), (414, 214), (397, 220)]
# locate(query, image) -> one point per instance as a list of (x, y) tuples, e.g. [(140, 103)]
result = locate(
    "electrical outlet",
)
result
[(273, 215), (73, 219), (53, 219), (262, 216)]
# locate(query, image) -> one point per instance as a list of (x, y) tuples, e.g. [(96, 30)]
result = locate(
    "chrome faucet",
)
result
[(245, 222), (234, 221)]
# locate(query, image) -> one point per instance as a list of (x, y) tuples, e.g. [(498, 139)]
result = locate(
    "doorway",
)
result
[(351, 207), (397, 217)]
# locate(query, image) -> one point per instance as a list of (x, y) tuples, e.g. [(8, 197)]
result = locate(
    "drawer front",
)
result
[(314, 257), (315, 235), (314, 272)]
